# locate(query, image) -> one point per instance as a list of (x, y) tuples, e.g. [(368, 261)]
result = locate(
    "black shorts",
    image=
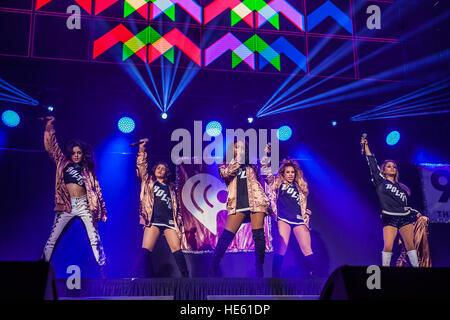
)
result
[(398, 221), (247, 214)]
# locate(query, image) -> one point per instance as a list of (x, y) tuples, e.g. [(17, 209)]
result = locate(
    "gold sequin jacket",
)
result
[(147, 197), (94, 196), (257, 198)]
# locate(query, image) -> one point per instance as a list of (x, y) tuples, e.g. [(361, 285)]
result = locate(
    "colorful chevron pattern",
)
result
[(150, 39), (328, 9), (265, 12), (168, 7), (255, 52), (241, 10), (245, 52), (85, 4)]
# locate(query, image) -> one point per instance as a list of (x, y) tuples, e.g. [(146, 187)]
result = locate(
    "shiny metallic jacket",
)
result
[(273, 183), (420, 243), (62, 197), (257, 198), (147, 196)]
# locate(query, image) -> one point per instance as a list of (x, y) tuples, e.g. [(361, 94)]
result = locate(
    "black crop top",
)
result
[(72, 174)]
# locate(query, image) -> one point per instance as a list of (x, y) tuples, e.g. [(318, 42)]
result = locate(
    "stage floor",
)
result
[(192, 289)]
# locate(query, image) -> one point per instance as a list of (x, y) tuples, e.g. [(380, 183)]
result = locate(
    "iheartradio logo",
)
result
[(204, 196)]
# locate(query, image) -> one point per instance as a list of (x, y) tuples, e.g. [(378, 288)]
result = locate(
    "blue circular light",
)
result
[(334, 123), (284, 133), (126, 125), (164, 115), (392, 138), (10, 118), (213, 128), (50, 108)]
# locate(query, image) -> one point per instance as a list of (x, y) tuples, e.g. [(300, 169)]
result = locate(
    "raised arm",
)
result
[(375, 171), (50, 142), (141, 162), (266, 169)]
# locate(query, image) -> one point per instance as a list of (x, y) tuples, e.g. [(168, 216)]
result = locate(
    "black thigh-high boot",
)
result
[(276, 266), (311, 265), (144, 268), (222, 245), (181, 263), (260, 251)]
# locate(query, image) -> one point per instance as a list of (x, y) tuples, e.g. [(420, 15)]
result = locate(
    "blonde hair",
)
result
[(299, 179)]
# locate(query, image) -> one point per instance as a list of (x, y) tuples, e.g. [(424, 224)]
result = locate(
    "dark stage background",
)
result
[(89, 98)]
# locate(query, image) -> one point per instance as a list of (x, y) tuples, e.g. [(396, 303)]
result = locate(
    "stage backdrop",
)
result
[(436, 191), (203, 196)]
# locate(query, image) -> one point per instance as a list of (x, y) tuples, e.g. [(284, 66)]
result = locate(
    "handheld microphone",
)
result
[(138, 142), (364, 135)]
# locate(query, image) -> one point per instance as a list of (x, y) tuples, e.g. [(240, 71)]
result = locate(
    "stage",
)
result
[(192, 289)]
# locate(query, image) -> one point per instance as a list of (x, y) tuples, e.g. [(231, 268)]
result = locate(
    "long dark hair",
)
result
[(230, 149), (396, 177), (88, 156), (166, 176)]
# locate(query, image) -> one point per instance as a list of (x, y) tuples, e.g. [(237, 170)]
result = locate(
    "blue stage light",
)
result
[(284, 133), (164, 115), (50, 108), (250, 119), (334, 123), (10, 118), (392, 138), (126, 125), (213, 128)]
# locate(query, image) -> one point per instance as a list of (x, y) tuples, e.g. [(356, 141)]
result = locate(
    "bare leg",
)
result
[(407, 233), (304, 239), (234, 221), (389, 234), (172, 239), (151, 235), (284, 231), (257, 220)]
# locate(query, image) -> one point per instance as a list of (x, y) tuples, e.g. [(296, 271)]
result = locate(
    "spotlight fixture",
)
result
[(213, 128), (392, 138), (10, 118), (126, 125)]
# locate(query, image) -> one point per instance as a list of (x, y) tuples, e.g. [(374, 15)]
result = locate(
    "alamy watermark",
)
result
[(74, 21), (374, 280), (74, 279), (257, 143)]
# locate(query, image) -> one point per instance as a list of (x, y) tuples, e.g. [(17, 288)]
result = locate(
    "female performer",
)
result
[(78, 194), (288, 192), (396, 215), (246, 202), (158, 213)]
